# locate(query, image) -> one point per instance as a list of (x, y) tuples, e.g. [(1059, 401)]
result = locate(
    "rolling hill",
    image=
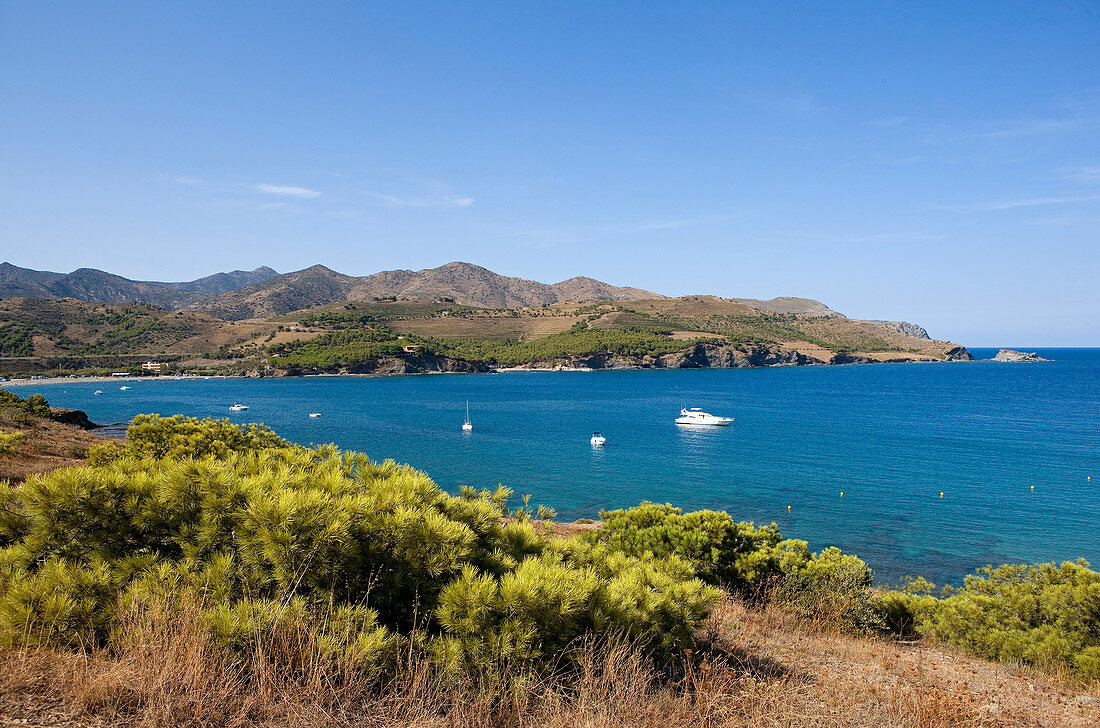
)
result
[(262, 292), (462, 283)]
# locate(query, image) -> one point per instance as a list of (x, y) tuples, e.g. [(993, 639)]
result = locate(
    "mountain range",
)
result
[(263, 292), (96, 286)]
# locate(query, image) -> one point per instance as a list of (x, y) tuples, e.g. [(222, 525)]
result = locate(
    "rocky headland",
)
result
[(727, 356)]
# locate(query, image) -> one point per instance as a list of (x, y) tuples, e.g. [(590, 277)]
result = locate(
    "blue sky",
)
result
[(932, 162)]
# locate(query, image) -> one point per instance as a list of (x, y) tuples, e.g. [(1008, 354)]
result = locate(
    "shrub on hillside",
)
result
[(830, 588), (1045, 615), (8, 441), (186, 437), (355, 555), (35, 404), (721, 550)]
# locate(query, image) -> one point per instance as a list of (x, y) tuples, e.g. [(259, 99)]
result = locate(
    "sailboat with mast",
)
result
[(467, 426)]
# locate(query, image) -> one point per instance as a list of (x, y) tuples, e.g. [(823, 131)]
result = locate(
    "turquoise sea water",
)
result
[(890, 436)]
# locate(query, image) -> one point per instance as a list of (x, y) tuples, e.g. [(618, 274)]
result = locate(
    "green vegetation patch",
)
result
[(1044, 615), (756, 562), (338, 348), (365, 558), (9, 441), (11, 403), (633, 342), (78, 328), (16, 340), (355, 345)]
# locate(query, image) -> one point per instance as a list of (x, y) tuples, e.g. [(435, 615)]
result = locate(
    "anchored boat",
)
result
[(696, 416)]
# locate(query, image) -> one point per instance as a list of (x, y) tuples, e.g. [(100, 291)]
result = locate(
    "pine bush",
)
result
[(279, 544)]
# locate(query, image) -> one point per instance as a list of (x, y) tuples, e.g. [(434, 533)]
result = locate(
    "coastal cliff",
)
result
[(428, 364), (727, 356)]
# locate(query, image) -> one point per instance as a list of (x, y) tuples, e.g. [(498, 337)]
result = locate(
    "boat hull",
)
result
[(704, 423), (716, 422)]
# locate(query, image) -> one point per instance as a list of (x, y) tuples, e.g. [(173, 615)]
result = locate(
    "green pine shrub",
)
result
[(9, 441), (721, 550), (35, 404), (1044, 615), (186, 437), (277, 545), (829, 588)]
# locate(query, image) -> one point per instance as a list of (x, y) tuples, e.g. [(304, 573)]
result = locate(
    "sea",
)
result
[(919, 469)]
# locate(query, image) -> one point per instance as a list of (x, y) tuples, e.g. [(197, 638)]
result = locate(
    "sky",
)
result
[(921, 161)]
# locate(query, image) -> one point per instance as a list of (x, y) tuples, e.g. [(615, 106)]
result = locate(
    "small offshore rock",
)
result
[(1011, 356)]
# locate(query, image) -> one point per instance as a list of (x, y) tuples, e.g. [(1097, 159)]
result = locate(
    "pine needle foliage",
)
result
[(1046, 615), (737, 555), (178, 437), (277, 542)]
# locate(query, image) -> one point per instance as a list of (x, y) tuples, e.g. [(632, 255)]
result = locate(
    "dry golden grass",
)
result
[(46, 445), (763, 669)]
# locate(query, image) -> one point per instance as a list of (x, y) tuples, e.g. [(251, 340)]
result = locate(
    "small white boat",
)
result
[(314, 414), (238, 407), (598, 439), (696, 416), (467, 426), (99, 391), (124, 388)]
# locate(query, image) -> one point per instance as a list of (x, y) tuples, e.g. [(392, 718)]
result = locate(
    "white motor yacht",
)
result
[(238, 407), (696, 416), (314, 414), (598, 439), (99, 391), (123, 388)]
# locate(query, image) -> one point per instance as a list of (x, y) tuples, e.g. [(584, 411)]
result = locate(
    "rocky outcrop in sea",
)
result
[(1011, 356)]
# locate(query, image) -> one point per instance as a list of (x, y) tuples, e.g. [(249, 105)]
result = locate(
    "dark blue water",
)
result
[(890, 436)]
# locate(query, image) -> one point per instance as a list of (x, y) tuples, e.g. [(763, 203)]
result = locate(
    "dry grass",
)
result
[(46, 445), (763, 669)]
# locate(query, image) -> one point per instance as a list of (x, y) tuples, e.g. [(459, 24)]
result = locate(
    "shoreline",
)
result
[(24, 381)]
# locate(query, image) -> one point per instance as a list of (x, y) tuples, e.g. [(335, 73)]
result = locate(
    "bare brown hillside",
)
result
[(462, 283)]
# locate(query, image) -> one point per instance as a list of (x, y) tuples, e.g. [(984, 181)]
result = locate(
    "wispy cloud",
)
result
[(1000, 205), (287, 191), (1088, 175), (339, 198)]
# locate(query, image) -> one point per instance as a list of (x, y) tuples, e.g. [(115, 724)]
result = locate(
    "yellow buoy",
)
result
[(941, 494), (1033, 487), (788, 508), (841, 494)]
